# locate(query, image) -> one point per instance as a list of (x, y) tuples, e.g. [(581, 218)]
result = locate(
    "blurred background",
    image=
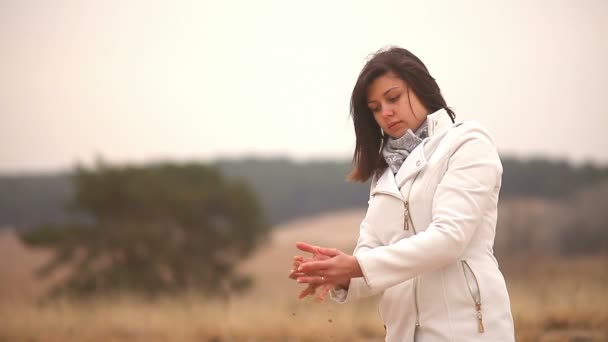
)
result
[(160, 159)]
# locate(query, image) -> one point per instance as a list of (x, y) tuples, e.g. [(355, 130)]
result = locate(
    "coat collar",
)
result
[(439, 122)]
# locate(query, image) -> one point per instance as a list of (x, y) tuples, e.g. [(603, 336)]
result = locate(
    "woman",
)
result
[(426, 240)]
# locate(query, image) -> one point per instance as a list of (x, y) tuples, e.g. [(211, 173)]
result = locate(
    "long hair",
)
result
[(367, 158)]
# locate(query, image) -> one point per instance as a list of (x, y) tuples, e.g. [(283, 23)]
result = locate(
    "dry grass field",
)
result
[(553, 300)]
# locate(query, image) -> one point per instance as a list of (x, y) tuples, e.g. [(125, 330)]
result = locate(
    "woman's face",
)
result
[(395, 107)]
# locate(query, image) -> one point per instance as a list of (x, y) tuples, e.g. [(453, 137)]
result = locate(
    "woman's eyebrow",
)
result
[(389, 89)]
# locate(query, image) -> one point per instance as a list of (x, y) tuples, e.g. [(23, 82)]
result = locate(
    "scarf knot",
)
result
[(395, 151)]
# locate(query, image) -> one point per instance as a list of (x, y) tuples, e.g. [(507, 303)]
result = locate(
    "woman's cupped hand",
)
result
[(326, 268)]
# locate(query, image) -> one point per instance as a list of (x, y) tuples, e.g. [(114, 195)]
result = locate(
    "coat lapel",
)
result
[(413, 164), (439, 122), (386, 184)]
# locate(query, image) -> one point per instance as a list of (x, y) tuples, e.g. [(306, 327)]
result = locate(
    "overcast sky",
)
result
[(135, 81)]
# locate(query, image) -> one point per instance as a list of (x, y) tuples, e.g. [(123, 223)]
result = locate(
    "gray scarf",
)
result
[(395, 151)]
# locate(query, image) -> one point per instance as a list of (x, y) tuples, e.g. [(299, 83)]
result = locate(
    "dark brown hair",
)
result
[(367, 158)]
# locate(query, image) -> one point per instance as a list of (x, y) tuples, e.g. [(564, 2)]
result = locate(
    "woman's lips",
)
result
[(394, 124)]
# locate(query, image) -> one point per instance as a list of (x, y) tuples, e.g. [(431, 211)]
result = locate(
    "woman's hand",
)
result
[(328, 266), (311, 289), (299, 260)]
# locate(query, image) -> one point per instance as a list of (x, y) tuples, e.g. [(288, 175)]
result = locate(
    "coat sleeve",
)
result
[(358, 287), (466, 191)]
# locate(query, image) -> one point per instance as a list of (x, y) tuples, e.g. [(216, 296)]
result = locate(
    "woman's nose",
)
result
[(387, 111)]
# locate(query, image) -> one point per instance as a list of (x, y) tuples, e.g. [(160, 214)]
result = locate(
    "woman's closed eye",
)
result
[(390, 99), (394, 99)]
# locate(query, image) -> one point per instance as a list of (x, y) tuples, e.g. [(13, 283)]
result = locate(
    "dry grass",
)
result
[(559, 299), (552, 299), (187, 319)]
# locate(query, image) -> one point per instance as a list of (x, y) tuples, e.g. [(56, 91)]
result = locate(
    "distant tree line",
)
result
[(573, 225), (544, 178), (289, 189)]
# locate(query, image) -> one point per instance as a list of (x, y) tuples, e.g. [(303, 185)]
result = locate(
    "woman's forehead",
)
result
[(384, 84)]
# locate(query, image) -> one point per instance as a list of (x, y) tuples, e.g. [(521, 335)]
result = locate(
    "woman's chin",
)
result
[(397, 134)]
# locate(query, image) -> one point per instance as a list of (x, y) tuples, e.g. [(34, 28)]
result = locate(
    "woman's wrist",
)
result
[(356, 268), (355, 273)]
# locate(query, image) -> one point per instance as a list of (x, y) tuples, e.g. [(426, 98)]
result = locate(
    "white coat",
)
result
[(426, 242)]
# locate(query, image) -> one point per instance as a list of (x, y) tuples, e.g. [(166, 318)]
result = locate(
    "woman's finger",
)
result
[(323, 292), (330, 252), (305, 247), (315, 266), (315, 280), (295, 275), (309, 290), (302, 260)]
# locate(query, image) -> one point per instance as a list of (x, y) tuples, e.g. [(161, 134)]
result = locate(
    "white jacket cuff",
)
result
[(358, 288)]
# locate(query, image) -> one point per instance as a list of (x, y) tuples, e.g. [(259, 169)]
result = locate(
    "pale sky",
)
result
[(136, 81)]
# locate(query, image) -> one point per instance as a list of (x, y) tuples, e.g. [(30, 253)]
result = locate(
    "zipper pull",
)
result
[(406, 225), (479, 318)]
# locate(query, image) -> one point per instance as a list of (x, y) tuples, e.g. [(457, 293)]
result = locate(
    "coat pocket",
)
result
[(475, 291)]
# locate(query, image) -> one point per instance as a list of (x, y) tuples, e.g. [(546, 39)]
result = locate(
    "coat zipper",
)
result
[(407, 217), (475, 293), (407, 221)]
